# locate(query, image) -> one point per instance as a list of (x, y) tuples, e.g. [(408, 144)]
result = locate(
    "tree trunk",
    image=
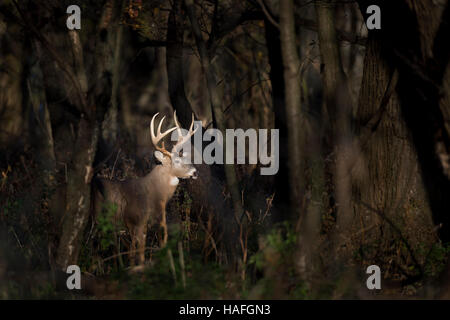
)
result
[(282, 182), (94, 105), (174, 64), (337, 111), (294, 118), (216, 106), (110, 126), (78, 194), (40, 124), (219, 122), (404, 182)]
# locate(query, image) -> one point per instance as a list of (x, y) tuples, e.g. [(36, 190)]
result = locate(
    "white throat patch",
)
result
[(174, 181)]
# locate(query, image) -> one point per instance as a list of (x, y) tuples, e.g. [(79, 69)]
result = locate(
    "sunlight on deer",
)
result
[(142, 201)]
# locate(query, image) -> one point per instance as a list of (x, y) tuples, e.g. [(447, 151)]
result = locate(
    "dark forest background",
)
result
[(364, 120)]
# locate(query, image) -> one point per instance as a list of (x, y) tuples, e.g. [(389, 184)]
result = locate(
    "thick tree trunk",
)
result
[(111, 41), (332, 70), (174, 64), (297, 127), (12, 65), (216, 106), (238, 217), (110, 126), (206, 189), (400, 108), (295, 121), (426, 109), (389, 187), (337, 111), (93, 105), (282, 182), (40, 124), (78, 194)]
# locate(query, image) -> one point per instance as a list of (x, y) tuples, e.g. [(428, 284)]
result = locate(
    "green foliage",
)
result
[(280, 241), (11, 210), (436, 259), (187, 201), (258, 260), (276, 260), (283, 238), (159, 281), (300, 292), (103, 243), (106, 225)]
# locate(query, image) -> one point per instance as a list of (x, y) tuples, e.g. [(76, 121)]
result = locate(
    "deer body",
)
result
[(142, 201)]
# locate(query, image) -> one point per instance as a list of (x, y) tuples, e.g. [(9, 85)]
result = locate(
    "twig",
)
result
[(268, 15), (112, 171), (181, 255), (269, 206), (172, 265), (396, 229), (238, 96), (126, 253), (17, 238), (209, 236)]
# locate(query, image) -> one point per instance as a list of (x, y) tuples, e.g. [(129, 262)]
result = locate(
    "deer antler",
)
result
[(159, 136), (182, 139)]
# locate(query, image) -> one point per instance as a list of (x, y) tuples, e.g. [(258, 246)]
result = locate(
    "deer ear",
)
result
[(160, 156)]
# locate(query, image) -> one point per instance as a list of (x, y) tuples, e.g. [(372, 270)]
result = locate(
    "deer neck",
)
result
[(162, 181)]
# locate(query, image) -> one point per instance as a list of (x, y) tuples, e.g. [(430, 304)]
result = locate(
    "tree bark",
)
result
[(40, 124), (110, 126), (78, 194), (216, 106), (405, 182), (174, 64), (337, 111), (294, 118), (282, 182), (238, 215), (96, 104)]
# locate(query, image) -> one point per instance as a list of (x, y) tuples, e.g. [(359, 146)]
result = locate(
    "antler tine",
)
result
[(180, 134), (158, 132), (152, 130), (192, 123), (159, 136), (182, 139)]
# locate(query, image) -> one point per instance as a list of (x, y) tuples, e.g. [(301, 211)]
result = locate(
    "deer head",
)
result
[(179, 164)]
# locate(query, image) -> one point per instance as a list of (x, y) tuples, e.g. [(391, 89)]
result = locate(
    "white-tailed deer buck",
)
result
[(142, 201)]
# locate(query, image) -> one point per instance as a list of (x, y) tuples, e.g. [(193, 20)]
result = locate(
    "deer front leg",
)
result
[(132, 254), (164, 224), (141, 237)]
